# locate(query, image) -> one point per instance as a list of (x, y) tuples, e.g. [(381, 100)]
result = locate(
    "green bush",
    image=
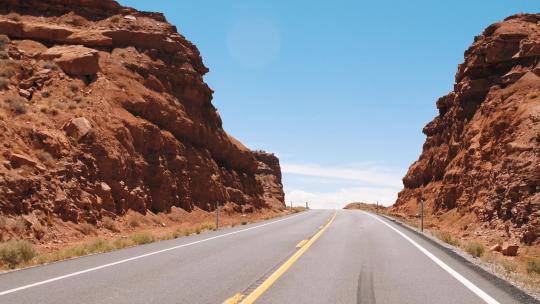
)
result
[(475, 249), (14, 252)]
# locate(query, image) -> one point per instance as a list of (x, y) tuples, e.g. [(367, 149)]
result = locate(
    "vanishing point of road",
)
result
[(318, 256)]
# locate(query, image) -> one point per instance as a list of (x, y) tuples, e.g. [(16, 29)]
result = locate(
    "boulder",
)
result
[(497, 248), (75, 60), (78, 128), (18, 160), (510, 250)]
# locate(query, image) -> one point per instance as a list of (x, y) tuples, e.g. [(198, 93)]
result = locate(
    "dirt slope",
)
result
[(479, 170), (103, 109)]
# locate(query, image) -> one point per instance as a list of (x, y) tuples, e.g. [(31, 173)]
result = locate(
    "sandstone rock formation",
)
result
[(482, 152), (115, 117)]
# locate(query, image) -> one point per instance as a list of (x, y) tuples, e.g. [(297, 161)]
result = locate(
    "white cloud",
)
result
[(338, 199), (368, 174), (365, 183)]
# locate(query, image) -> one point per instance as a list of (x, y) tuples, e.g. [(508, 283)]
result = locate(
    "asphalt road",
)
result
[(356, 258)]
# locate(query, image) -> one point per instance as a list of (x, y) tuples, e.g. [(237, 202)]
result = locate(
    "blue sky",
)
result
[(340, 90)]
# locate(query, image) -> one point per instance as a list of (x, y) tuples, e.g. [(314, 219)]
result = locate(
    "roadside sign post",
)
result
[(307, 207), (377, 208), (217, 215)]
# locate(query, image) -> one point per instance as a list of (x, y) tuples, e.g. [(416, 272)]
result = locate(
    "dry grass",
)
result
[(46, 158), (207, 226), (140, 238), (17, 225), (16, 104), (110, 224), (13, 253), (474, 249), (8, 68), (447, 238), (115, 19), (533, 266), (73, 87), (134, 220), (87, 229)]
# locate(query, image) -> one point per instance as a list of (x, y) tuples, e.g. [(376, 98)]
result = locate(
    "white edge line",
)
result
[(479, 292), (138, 257)]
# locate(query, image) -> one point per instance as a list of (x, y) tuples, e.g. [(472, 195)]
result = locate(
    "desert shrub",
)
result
[(8, 68), (475, 249), (533, 265), (448, 238), (87, 229), (4, 55), (12, 253), (134, 220), (115, 19), (46, 158), (13, 16), (45, 93), (73, 87), (16, 104), (509, 266), (244, 222), (50, 65), (110, 224), (3, 41), (207, 226), (98, 245), (4, 83), (140, 238), (18, 225), (120, 243)]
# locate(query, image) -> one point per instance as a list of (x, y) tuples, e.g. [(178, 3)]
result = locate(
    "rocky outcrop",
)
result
[(74, 60), (115, 117), (482, 152)]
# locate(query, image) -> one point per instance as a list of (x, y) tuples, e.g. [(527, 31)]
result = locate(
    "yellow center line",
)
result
[(234, 299), (302, 243), (283, 268)]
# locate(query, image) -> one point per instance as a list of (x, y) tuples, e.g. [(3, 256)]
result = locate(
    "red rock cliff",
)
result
[(104, 109), (482, 152)]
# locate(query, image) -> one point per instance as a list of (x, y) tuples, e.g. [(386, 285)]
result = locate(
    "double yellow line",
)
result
[(304, 246)]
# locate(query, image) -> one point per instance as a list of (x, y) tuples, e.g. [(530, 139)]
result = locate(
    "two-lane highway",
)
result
[(304, 258)]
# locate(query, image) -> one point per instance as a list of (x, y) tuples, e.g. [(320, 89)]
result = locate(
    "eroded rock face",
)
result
[(482, 152), (125, 122)]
